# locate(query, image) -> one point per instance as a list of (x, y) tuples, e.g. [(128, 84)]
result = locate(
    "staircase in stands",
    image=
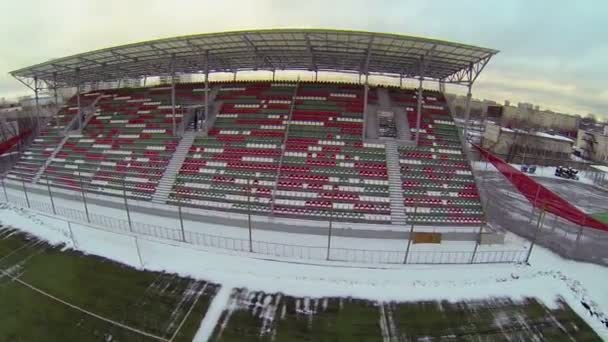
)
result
[(394, 181), (49, 159), (166, 182)]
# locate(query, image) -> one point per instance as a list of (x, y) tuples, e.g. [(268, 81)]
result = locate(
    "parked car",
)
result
[(566, 172)]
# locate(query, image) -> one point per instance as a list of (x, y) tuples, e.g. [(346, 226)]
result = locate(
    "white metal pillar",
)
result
[(80, 123), (37, 105), (234, 78), (273, 74), (467, 112), (400, 81), (365, 94), (56, 99), (442, 86), (173, 97), (419, 105), (316, 75), (206, 90), (145, 79), (55, 88)]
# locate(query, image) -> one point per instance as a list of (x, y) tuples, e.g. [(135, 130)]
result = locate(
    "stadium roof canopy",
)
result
[(278, 49)]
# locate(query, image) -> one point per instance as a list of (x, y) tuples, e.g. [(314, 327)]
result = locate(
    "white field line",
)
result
[(179, 327), (213, 314), (31, 287), (29, 244)]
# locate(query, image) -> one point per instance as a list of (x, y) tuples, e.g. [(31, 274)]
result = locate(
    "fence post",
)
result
[(249, 214), (409, 239), (4, 188), (477, 243), (331, 219), (71, 233), (579, 234), (27, 200), (124, 196), (138, 252), (84, 197), (179, 212), (541, 216), (48, 186), (534, 203)]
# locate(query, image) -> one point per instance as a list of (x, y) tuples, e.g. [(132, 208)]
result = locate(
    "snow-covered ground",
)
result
[(548, 276)]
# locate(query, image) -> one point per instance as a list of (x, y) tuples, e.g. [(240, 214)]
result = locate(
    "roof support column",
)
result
[(467, 112), (234, 78), (467, 108), (316, 75), (273, 72), (400, 81), (37, 105), (442, 86), (56, 101), (365, 94), (173, 96), (419, 102), (206, 90), (145, 79), (80, 123)]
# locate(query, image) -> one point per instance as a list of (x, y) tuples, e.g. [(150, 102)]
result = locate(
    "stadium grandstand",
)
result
[(308, 150)]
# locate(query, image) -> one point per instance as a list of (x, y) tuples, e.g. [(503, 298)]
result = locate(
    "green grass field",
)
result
[(263, 317), (601, 216), (155, 303)]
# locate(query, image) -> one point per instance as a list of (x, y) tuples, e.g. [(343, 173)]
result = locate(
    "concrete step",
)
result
[(394, 181), (49, 159), (166, 182)]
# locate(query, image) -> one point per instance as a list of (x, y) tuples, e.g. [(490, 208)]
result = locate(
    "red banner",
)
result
[(540, 196)]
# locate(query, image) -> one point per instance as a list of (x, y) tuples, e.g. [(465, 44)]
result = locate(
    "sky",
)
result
[(553, 53)]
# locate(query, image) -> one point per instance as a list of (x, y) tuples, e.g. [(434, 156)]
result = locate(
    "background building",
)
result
[(593, 144), (528, 116), (519, 146)]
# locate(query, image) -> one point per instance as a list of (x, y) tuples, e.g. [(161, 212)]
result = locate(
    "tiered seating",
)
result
[(129, 141), (438, 186), (326, 163), (47, 140), (235, 165)]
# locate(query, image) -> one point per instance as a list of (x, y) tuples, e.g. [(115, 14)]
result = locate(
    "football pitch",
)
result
[(50, 294), (257, 316)]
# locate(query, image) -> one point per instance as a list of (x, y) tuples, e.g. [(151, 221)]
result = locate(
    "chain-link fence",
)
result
[(25, 199), (536, 216)]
